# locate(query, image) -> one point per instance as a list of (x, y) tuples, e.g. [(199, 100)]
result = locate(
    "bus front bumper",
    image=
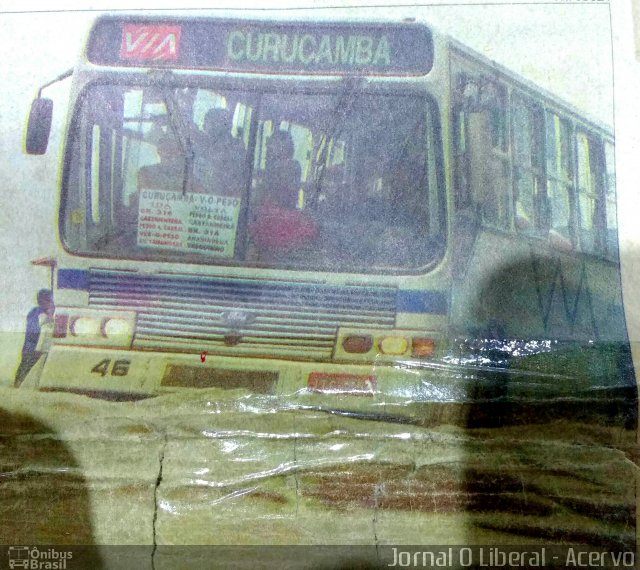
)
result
[(379, 388), (426, 392)]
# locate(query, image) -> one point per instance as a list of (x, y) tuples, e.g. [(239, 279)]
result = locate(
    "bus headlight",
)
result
[(91, 327), (84, 326), (116, 328), (360, 345), (394, 345)]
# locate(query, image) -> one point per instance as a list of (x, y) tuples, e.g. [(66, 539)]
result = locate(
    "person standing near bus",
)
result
[(36, 318)]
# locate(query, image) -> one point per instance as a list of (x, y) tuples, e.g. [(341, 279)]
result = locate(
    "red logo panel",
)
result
[(143, 42)]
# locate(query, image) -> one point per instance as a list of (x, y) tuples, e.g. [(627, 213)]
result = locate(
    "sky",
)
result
[(563, 46)]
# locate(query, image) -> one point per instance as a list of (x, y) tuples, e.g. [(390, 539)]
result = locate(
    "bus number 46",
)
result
[(119, 368)]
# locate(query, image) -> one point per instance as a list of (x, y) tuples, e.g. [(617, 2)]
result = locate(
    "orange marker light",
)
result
[(423, 347)]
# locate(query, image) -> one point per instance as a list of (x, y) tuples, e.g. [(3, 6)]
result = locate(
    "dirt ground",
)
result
[(209, 468)]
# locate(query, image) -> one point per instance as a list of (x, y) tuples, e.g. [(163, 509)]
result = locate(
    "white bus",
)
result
[(365, 214)]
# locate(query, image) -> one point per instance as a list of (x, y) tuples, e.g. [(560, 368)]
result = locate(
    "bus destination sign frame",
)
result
[(263, 47)]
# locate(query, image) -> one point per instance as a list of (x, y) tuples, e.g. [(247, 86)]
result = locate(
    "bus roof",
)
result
[(529, 87)]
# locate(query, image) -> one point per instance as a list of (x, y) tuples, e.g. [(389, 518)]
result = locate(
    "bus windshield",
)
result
[(341, 181)]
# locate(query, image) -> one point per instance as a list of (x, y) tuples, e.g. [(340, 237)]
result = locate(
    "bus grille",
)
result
[(193, 314)]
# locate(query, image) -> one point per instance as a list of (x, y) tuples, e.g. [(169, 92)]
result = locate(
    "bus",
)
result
[(360, 215)]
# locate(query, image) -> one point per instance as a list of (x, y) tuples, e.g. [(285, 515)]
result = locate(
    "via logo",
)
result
[(150, 42)]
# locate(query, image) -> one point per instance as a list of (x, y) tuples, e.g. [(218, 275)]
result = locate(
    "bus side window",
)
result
[(559, 162), (610, 205), (494, 99), (589, 207), (529, 195), (481, 177), (461, 169), (482, 165)]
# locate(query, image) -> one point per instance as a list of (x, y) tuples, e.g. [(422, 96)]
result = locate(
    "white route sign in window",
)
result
[(197, 223)]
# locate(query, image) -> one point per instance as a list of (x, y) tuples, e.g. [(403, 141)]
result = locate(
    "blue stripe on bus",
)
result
[(73, 279), (416, 301), (407, 301)]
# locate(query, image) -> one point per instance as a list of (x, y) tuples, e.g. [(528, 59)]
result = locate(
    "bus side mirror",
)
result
[(39, 126)]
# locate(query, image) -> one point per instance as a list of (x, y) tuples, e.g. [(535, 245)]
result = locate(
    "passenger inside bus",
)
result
[(279, 225), (220, 158), (168, 173), (282, 171)]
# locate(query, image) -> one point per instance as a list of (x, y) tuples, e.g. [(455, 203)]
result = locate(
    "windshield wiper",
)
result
[(341, 110), (181, 131)]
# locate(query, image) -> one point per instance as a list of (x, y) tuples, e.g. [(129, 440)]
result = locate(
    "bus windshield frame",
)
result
[(333, 153)]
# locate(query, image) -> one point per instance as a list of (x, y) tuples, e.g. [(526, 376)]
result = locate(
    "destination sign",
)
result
[(197, 223), (263, 47)]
